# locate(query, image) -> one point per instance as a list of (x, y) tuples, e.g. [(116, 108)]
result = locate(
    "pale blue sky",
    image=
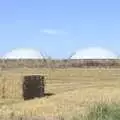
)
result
[(59, 27)]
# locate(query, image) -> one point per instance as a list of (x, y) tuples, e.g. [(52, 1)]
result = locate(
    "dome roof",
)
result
[(94, 53), (23, 53)]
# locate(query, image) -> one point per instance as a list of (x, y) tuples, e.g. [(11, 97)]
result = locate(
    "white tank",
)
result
[(94, 53), (23, 53)]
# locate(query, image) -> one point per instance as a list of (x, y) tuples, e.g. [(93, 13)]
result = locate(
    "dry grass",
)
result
[(75, 90)]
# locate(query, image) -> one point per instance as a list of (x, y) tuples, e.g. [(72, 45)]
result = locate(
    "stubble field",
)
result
[(74, 90)]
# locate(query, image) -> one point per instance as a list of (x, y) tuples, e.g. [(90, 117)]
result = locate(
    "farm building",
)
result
[(94, 53), (23, 53)]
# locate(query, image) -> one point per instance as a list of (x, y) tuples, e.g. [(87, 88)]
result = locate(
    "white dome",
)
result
[(23, 53), (94, 53)]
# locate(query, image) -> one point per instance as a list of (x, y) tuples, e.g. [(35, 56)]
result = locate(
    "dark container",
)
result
[(33, 86)]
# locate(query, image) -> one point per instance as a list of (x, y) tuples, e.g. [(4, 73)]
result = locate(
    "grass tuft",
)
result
[(101, 111)]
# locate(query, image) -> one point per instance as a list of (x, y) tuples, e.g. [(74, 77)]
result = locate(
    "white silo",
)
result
[(94, 53)]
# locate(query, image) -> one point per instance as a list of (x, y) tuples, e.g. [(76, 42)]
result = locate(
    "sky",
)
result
[(59, 27)]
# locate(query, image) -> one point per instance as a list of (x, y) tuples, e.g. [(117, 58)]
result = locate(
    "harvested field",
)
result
[(74, 88)]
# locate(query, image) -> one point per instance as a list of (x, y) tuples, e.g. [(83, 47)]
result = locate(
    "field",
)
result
[(73, 89)]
